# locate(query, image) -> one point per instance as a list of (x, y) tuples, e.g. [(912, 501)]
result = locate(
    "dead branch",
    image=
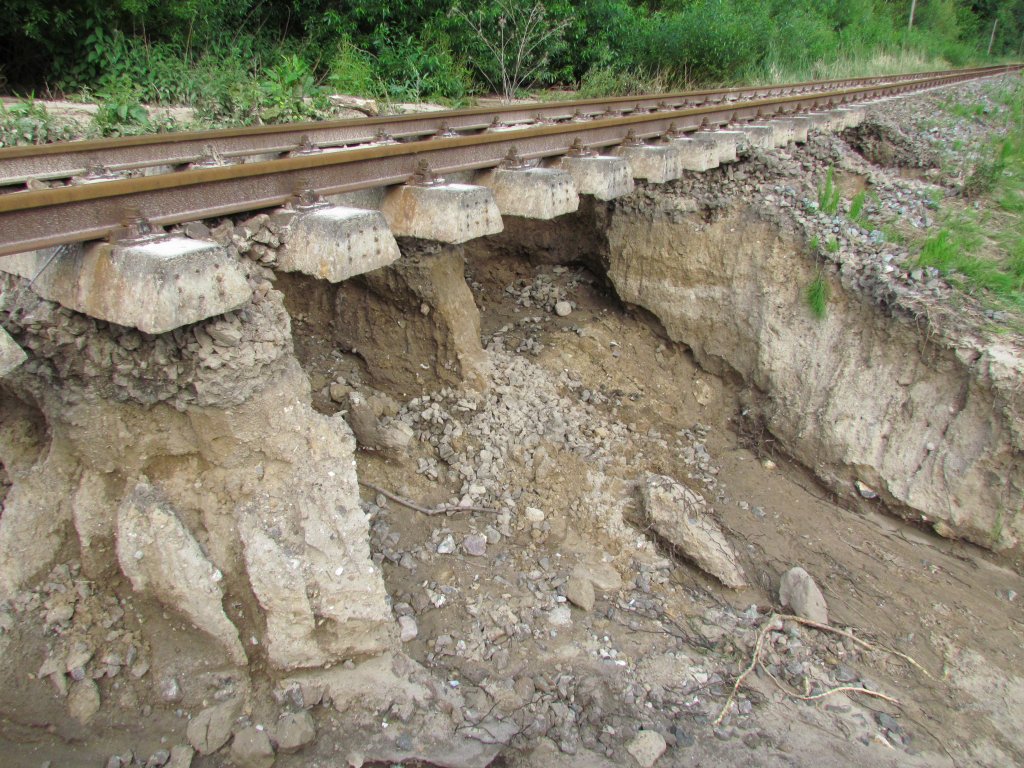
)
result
[(829, 692), (854, 638), (755, 657), (444, 509)]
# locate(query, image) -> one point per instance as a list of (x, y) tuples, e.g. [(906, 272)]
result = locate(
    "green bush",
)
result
[(27, 122), (351, 71), (413, 71), (289, 92)]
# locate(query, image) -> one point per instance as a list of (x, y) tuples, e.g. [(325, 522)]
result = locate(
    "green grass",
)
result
[(979, 246), (857, 208), (817, 295), (955, 257), (828, 194)]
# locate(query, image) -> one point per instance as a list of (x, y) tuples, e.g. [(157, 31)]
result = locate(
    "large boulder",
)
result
[(681, 516)]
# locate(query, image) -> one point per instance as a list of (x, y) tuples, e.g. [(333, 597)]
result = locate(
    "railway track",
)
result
[(78, 191)]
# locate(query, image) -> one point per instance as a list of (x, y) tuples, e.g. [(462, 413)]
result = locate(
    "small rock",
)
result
[(210, 729), (158, 759), (563, 308), (84, 701), (646, 748), (560, 616), (447, 545), (251, 748), (580, 591), (181, 756), (197, 230), (602, 575), (534, 515), (799, 592), (295, 731), (475, 544), (888, 722), (170, 690), (865, 491), (844, 674), (77, 660), (408, 630), (339, 391)]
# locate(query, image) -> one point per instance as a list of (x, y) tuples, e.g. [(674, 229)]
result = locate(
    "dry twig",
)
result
[(444, 509), (755, 660), (750, 668), (829, 692), (854, 638)]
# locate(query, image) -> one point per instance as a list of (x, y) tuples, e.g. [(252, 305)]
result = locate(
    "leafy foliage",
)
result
[(27, 122), (250, 60)]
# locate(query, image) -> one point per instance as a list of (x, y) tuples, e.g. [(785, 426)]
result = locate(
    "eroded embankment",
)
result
[(874, 392), (182, 533), (865, 393)]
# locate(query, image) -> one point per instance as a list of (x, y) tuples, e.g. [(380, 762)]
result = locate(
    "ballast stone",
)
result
[(601, 176), (656, 163), (445, 213), (532, 193), (335, 243), (155, 286), (11, 355)]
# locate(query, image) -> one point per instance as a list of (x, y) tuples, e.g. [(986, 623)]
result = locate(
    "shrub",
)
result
[(121, 112), (289, 92), (518, 39), (27, 122)]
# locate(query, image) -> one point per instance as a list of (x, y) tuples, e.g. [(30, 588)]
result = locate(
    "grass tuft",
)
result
[(828, 194), (857, 208), (817, 295)]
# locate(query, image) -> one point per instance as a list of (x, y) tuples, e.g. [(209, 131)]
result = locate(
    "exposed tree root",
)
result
[(444, 509)]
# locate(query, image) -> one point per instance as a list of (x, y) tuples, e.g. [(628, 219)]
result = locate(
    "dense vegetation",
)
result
[(247, 60)]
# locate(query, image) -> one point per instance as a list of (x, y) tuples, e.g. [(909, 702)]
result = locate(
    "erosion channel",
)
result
[(535, 500)]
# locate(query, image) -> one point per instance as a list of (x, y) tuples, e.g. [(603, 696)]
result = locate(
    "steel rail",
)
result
[(61, 161), (45, 218)]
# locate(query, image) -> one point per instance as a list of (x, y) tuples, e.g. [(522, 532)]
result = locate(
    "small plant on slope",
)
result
[(828, 194), (817, 295), (857, 208)]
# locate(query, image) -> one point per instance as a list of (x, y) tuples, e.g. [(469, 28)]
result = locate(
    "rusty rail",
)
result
[(49, 217), (58, 162)]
